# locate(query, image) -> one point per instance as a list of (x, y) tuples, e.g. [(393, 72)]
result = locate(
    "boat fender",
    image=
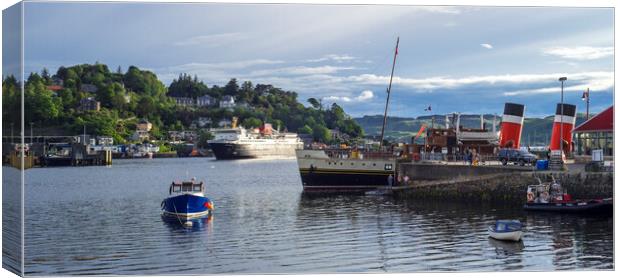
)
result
[(530, 197)]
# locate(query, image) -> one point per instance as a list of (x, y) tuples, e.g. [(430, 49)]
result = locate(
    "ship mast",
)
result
[(389, 89)]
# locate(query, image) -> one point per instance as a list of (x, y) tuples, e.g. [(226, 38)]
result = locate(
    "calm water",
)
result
[(106, 220)]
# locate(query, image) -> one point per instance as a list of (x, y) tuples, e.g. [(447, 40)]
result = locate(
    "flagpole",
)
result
[(388, 95)]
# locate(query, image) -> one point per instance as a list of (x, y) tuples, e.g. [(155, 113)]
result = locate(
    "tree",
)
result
[(251, 123), (305, 130), (38, 103), (314, 102), (46, 76), (146, 106), (231, 88), (203, 138), (321, 134)]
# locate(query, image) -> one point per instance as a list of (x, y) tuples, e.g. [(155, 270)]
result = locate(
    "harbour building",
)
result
[(596, 133)]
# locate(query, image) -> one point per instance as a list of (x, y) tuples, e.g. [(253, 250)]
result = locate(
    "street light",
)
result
[(586, 97), (562, 79)]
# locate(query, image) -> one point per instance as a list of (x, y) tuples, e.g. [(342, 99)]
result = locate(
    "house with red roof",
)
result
[(596, 133)]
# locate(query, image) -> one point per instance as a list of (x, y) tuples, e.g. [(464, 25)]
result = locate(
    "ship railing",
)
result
[(353, 154), (462, 158)]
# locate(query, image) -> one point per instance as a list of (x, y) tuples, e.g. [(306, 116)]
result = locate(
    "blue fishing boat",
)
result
[(506, 230), (187, 201)]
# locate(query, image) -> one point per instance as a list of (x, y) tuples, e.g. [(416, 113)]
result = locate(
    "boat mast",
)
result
[(387, 101)]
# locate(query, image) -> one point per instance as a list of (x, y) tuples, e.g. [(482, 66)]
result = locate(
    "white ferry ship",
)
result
[(240, 143)]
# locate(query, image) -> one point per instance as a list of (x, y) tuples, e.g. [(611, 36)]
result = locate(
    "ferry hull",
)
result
[(186, 206), (226, 151), (343, 180)]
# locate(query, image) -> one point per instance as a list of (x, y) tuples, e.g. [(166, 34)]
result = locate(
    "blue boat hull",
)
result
[(186, 206)]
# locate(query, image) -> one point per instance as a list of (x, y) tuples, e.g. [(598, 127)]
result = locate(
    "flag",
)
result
[(419, 132)]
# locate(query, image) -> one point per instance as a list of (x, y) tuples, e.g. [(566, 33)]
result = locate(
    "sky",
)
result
[(468, 59)]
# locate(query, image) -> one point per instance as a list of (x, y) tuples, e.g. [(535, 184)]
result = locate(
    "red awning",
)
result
[(603, 121)]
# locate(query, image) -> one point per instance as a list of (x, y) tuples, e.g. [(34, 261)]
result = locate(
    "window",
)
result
[(197, 187)]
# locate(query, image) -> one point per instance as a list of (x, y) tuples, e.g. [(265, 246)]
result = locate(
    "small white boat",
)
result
[(506, 230)]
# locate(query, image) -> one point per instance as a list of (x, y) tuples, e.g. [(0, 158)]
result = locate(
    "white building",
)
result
[(227, 102), (205, 100), (204, 121)]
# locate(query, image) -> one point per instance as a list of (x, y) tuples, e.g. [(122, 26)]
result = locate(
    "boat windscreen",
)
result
[(501, 226), (186, 187)]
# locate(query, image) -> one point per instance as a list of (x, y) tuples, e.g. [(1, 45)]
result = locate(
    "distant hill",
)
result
[(536, 131)]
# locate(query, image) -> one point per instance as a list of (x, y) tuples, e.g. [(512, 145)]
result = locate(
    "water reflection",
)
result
[(198, 224), (265, 224), (506, 248)]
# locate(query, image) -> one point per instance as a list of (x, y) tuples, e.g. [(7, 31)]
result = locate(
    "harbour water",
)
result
[(106, 220)]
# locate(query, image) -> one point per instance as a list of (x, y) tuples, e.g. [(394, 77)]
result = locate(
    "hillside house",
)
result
[(227, 102), (89, 104)]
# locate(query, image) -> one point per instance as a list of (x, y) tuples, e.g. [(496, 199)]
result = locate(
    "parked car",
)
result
[(520, 157)]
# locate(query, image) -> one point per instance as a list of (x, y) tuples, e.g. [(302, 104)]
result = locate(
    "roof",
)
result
[(603, 121), (54, 87)]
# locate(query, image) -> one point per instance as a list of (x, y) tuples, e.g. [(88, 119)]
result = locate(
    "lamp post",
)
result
[(562, 79), (586, 97)]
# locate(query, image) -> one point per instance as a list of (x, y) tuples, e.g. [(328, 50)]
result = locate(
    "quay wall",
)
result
[(426, 172), (506, 187)]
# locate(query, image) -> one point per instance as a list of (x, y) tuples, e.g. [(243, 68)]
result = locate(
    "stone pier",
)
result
[(494, 184)]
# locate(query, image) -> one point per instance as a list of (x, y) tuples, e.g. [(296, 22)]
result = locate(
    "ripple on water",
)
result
[(106, 221)]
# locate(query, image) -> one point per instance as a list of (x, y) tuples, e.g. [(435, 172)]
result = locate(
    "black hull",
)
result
[(343, 181), (591, 206), (228, 151)]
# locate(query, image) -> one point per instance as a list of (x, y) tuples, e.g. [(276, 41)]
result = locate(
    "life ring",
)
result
[(530, 197)]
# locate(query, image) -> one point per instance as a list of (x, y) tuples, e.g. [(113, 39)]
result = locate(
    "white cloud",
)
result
[(300, 70), (601, 79), (213, 40), (440, 9), (596, 81), (363, 96), (580, 52), (213, 72), (333, 57), (486, 45)]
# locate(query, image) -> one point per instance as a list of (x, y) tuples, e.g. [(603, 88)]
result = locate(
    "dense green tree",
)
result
[(127, 97), (314, 102), (321, 134), (305, 130), (203, 138), (185, 86), (231, 88), (251, 123)]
